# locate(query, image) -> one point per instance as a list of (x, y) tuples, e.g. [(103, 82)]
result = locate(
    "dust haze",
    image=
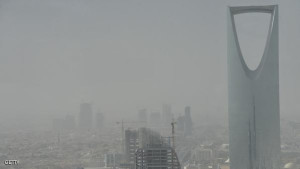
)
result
[(123, 56)]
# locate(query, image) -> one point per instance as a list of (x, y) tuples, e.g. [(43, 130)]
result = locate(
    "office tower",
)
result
[(167, 115), (85, 116), (188, 123), (99, 121), (131, 145), (253, 99), (184, 122), (142, 116)]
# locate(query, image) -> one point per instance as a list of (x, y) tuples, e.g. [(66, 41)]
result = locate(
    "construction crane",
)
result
[(173, 141), (122, 122), (173, 133)]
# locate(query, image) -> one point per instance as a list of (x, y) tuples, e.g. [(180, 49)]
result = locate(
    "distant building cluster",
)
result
[(157, 119), (161, 120), (86, 120)]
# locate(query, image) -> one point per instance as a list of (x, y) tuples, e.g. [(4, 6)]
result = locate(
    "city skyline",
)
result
[(149, 84), (126, 56)]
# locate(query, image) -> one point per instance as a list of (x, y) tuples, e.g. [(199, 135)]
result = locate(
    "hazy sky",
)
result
[(125, 55)]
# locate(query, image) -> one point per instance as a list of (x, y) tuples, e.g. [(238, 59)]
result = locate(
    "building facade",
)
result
[(157, 157), (131, 145), (253, 99)]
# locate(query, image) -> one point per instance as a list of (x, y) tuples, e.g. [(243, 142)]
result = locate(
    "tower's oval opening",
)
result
[(252, 32)]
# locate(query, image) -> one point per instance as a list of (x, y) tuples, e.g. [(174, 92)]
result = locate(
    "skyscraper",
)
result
[(85, 116), (185, 123), (188, 123), (253, 99)]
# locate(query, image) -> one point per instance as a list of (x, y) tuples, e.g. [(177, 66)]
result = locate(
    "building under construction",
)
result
[(160, 156), (131, 145), (154, 152)]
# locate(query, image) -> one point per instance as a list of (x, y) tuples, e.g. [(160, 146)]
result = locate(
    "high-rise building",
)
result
[(154, 152), (253, 99), (157, 157), (136, 139), (85, 117), (185, 123), (188, 123), (147, 136), (131, 145)]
